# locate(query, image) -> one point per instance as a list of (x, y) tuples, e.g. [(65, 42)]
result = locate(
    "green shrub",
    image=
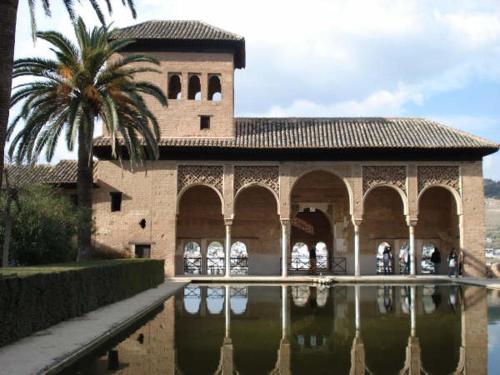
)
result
[(44, 227), (34, 298)]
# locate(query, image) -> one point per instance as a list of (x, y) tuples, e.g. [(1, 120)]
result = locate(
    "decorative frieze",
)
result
[(263, 175), (394, 175), (438, 175), (211, 175)]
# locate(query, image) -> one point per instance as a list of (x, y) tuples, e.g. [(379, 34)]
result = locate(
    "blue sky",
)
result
[(439, 60)]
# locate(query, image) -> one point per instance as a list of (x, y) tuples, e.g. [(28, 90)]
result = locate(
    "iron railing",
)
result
[(215, 266), (239, 265), (192, 265), (339, 265)]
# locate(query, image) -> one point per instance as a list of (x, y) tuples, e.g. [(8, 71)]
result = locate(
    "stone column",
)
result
[(227, 259), (227, 312), (356, 223), (412, 223), (357, 309), (285, 241), (413, 310)]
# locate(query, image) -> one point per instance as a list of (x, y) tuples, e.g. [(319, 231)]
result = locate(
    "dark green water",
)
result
[(311, 330)]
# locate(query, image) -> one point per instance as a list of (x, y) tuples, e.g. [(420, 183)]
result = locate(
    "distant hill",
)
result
[(491, 188)]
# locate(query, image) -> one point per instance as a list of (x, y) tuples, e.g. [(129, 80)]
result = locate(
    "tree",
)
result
[(82, 85), (43, 225), (8, 17)]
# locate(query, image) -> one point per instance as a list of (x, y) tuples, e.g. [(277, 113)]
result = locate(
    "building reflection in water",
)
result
[(304, 329)]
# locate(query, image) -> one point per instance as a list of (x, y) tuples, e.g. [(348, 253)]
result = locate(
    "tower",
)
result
[(197, 63)]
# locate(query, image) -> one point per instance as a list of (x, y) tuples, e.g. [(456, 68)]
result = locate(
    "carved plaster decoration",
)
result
[(384, 175), (211, 175), (438, 175), (264, 175)]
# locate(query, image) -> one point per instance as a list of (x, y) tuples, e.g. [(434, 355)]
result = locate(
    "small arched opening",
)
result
[(194, 87), (192, 258), (214, 88), (215, 300), (215, 258), (174, 87), (239, 258), (300, 260)]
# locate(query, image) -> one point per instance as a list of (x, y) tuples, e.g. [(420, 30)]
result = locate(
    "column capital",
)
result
[(228, 222), (356, 221), (285, 221), (411, 221)]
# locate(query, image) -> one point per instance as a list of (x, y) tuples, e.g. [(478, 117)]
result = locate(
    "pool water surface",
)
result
[(303, 329)]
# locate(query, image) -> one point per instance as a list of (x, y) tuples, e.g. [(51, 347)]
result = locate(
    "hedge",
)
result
[(34, 298)]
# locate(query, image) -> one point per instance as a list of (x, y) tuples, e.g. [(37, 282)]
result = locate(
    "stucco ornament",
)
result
[(211, 175), (263, 175), (438, 175), (394, 175)]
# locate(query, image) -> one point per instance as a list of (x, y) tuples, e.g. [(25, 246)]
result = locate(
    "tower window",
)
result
[(204, 122), (116, 201), (214, 88), (174, 87), (194, 89)]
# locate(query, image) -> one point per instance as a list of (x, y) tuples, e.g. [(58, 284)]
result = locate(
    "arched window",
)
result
[(174, 87), (194, 88), (321, 256), (300, 257), (381, 248), (300, 295), (215, 300), (192, 258), (192, 299), (239, 299), (214, 88), (426, 264), (215, 258), (239, 258)]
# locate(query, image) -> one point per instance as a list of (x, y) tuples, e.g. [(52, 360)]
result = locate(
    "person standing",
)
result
[(452, 263), (436, 259), (312, 260), (387, 258)]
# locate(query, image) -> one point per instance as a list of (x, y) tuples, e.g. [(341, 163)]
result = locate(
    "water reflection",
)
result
[(303, 329)]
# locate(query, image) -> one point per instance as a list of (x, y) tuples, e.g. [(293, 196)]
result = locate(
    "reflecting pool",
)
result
[(302, 329)]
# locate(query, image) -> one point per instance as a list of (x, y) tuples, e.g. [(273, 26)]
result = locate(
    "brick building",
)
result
[(236, 195)]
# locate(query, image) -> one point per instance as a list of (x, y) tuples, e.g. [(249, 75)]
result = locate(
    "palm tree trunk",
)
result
[(85, 181), (8, 17)]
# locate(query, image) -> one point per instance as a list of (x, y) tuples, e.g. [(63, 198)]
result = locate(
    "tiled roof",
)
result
[(175, 30), (64, 172), (335, 133), (175, 35)]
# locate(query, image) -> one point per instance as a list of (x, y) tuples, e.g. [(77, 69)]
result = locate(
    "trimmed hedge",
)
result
[(34, 298)]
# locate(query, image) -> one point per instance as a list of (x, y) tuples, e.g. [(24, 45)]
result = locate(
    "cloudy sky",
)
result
[(439, 60)]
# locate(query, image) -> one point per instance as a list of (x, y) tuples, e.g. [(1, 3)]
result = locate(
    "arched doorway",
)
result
[(199, 221), (256, 223), (437, 228), (383, 230), (321, 218)]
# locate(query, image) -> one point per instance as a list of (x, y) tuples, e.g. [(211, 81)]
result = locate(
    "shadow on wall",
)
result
[(101, 251)]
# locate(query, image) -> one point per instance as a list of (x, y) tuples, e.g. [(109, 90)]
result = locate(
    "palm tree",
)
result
[(70, 93), (8, 17)]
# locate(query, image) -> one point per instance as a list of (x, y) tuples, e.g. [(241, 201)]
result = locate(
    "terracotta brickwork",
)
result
[(441, 215), (181, 118)]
